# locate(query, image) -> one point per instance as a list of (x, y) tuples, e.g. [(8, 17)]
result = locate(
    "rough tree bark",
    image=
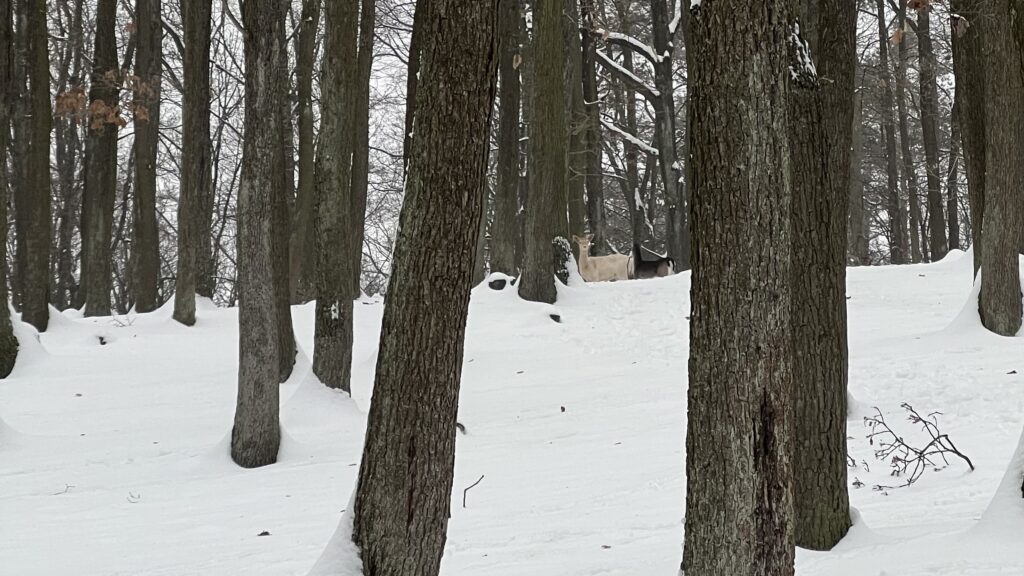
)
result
[(283, 201), (361, 144), (546, 216), (897, 226), (739, 503), (575, 120), (303, 244), (907, 153), (857, 226), (195, 200), (332, 347), (937, 244), (969, 66), (505, 227), (148, 71), (1000, 299), (8, 343), (663, 32), (404, 489), (820, 126), (256, 435), (953, 181)]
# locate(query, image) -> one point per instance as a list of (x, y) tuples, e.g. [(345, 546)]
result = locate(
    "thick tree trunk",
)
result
[(33, 200), (937, 243), (953, 181), (575, 120), (145, 238), (739, 503), (405, 481), (969, 65), (505, 227), (361, 144), (412, 77), (256, 436), (100, 164), (303, 244), (1000, 300), (897, 225), (595, 175), (820, 126), (283, 202), (195, 201), (21, 116), (8, 343), (546, 211), (332, 353)]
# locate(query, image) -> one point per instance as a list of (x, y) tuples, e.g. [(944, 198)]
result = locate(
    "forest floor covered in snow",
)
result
[(114, 440)]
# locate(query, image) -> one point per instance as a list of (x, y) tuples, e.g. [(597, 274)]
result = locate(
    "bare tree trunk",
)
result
[(546, 213), (33, 217), (21, 117), (195, 202), (145, 238), (857, 226), (361, 144), (100, 164), (303, 245), (283, 202), (820, 126), (1000, 300), (739, 502), (405, 481), (897, 225), (969, 63), (953, 181), (256, 436), (909, 174), (929, 129), (412, 77), (671, 174), (332, 354), (8, 343), (505, 227), (575, 120), (594, 168)]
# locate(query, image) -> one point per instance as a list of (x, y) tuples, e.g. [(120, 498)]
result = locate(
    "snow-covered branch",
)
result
[(632, 80), (640, 144), (627, 41)]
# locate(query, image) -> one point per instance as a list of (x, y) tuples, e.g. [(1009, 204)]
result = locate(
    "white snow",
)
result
[(114, 458)]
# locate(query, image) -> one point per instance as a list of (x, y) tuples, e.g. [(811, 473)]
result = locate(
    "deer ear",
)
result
[(590, 237), (576, 239)]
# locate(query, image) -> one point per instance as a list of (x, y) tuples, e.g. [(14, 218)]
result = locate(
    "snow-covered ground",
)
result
[(113, 440)]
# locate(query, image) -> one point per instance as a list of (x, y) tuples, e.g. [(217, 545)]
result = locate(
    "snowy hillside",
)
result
[(114, 458)]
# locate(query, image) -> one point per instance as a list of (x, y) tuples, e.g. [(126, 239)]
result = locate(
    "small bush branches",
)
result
[(909, 462)]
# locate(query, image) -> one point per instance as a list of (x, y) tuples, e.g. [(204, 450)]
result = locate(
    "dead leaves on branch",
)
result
[(74, 102)]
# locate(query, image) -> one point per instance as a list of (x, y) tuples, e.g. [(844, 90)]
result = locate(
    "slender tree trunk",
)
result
[(361, 145), (405, 481), (1000, 300), (303, 244), (546, 212), (595, 175), (256, 436), (909, 173), (857, 225), (969, 64), (100, 164), (195, 202), (953, 181), (145, 238), (678, 241), (897, 226), (739, 502), (283, 203), (640, 220), (332, 355), (412, 77), (8, 343), (820, 125), (505, 227), (929, 129), (33, 217), (575, 119), (21, 116)]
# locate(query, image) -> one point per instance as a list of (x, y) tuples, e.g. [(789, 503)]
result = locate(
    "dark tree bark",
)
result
[(8, 343), (256, 436), (1000, 300), (739, 502), (283, 201), (361, 144), (332, 353), (100, 164), (32, 202), (953, 181), (969, 66), (575, 119), (595, 171), (195, 202), (937, 243), (303, 242), (909, 174), (412, 77), (21, 119), (148, 71), (404, 490), (505, 227), (857, 225), (820, 126), (546, 216), (897, 226)]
